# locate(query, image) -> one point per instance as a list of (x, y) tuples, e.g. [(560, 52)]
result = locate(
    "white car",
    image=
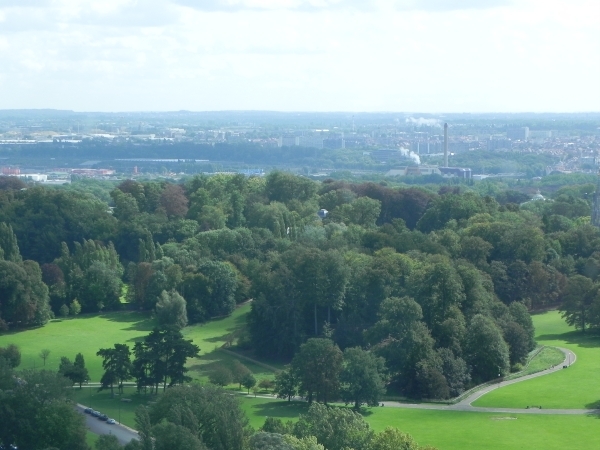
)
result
[(111, 421)]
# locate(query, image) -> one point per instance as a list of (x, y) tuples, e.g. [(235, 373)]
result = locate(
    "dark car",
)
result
[(88, 410), (103, 417)]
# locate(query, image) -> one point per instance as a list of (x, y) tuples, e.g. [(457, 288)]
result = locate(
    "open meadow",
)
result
[(87, 334), (575, 387)]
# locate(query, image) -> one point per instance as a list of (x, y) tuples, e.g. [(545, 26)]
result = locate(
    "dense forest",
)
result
[(437, 284)]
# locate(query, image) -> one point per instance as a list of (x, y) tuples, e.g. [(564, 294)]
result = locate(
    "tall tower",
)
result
[(445, 145), (596, 205)]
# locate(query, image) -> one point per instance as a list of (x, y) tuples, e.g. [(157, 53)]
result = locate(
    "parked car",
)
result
[(103, 417), (96, 413), (111, 421), (88, 410)]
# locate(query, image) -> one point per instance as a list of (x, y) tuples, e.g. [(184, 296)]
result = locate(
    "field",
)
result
[(451, 430), (446, 430), (88, 333), (575, 387)]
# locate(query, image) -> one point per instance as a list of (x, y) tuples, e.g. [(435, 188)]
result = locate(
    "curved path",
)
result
[(465, 404)]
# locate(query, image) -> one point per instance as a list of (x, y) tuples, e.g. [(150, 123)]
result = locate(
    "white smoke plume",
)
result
[(421, 121)]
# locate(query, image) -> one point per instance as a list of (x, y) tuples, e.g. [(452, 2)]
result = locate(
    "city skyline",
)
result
[(300, 55)]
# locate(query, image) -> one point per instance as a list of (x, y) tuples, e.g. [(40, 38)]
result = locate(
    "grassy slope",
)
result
[(88, 333), (575, 387), (445, 430)]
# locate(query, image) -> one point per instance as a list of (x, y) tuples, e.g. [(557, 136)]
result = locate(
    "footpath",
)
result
[(466, 403)]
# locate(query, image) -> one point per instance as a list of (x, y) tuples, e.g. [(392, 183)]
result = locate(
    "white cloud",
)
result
[(401, 55)]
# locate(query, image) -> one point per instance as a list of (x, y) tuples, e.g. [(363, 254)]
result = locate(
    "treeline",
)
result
[(36, 411), (178, 420), (438, 283), (246, 153)]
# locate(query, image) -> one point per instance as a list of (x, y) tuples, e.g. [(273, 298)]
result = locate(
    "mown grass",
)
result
[(545, 359), (89, 333), (452, 430), (575, 387), (91, 439)]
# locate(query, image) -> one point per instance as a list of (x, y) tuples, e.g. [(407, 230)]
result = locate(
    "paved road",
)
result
[(124, 434), (465, 404)]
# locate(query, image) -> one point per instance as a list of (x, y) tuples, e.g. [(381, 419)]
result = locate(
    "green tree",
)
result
[(64, 311), (318, 364), (44, 354), (11, 354), (117, 366), (239, 371), (162, 358), (286, 383), (9, 245), (578, 297), (168, 436), (485, 349), (394, 439), (220, 376), (306, 443), (249, 381), (362, 377), (107, 442), (35, 413), (284, 187), (79, 373), (209, 412), (268, 441), (334, 428), (171, 310), (74, 308)]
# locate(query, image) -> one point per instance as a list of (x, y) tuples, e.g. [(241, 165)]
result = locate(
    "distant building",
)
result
[(518, 134), (288, 140), (37, 177), (413, 171), (538, 197), (311, 141), (499, 143), (426, 147), (334, 143), (456, 172)]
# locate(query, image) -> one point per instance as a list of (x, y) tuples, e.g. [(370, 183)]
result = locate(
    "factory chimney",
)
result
[(445, 145)]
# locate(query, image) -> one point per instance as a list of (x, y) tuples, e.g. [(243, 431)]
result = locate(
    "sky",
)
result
[(428, 56)]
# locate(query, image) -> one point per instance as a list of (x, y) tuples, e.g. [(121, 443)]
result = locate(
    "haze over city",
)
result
[(300, 55)]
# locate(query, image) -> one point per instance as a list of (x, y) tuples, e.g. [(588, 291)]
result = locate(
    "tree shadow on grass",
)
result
[(594, 405), (204, 365), (222, 338), (280, 409), (137, 321), (587, 339)]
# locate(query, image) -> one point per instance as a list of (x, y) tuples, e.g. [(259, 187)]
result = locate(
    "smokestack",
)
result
[(445, 145)]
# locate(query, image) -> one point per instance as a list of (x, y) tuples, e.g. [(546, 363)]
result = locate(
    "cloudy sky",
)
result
[(301, 55)]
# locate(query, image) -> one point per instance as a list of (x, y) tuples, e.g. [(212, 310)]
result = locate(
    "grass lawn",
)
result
[(258, 409), (91, 439), (575, 387), (547, 357), (89, 333), (451, 430)]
